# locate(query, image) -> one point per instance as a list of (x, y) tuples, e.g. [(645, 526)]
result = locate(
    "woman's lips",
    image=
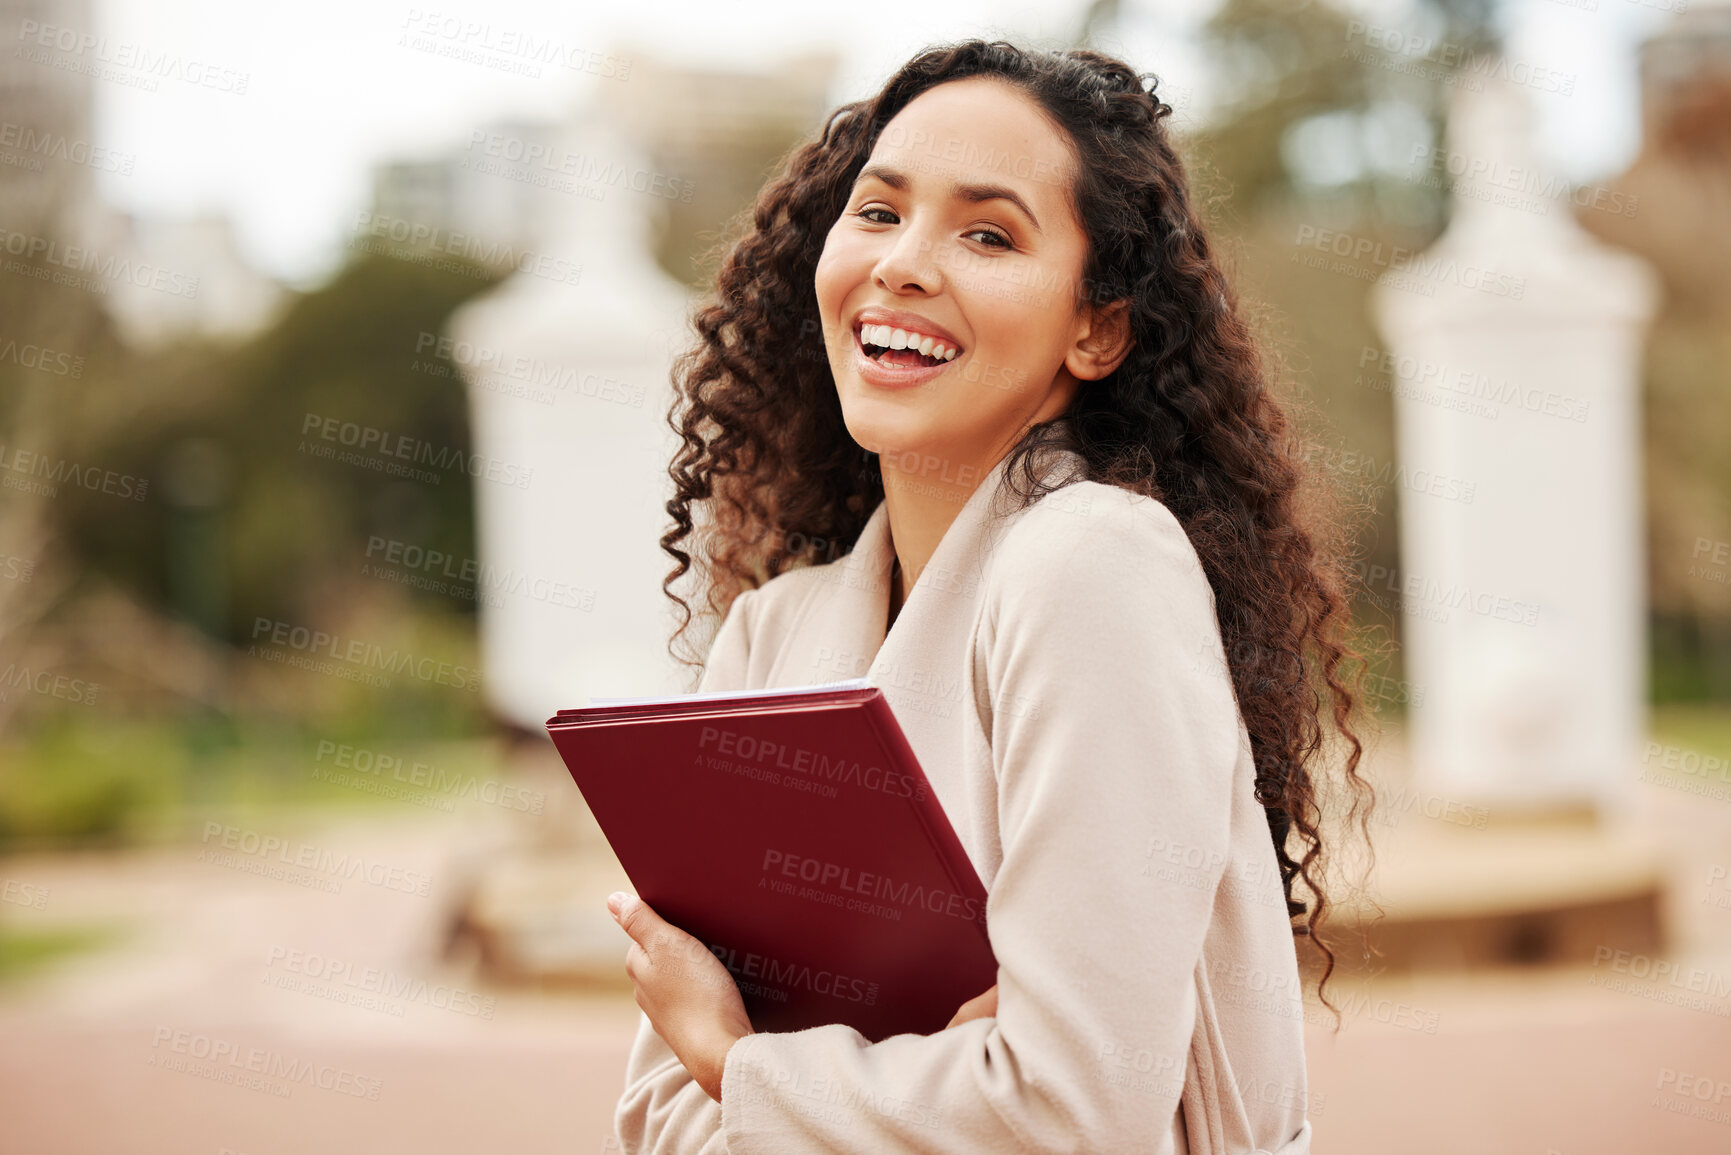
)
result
[(889, 375)]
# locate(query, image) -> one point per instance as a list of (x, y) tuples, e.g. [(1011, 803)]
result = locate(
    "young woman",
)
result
[(974, 415)]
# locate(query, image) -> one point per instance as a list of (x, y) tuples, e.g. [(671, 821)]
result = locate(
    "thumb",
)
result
[(631, 913)]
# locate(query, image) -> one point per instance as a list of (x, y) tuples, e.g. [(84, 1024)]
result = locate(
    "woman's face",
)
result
[(959, 230)]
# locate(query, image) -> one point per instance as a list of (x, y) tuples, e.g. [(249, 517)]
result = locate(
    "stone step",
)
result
[(1522, 891), (540, 919)]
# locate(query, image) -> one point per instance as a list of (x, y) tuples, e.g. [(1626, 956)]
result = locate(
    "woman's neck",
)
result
[(918, 520)]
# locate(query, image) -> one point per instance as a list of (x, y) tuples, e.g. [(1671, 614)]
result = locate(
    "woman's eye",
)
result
[(1003, 241)]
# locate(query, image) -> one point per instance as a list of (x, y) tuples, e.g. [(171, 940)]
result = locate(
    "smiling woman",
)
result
[(973, 413), (923, 248)]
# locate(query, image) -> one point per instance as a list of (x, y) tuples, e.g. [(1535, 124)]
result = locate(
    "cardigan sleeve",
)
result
[(1119, 753), (663, 1111)]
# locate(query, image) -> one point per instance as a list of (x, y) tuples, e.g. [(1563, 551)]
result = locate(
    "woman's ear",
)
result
[(1104, 343)]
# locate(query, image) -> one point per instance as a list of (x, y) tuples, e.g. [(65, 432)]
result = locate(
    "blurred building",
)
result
[(1678, 197), (1680, 182), (1522, 337), (45, 119), (568, 375), (1525, 589), (159, 279), (184, 278), (573, 381), (470, 188)]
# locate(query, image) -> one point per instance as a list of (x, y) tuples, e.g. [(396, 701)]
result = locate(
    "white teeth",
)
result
[(889, 337)]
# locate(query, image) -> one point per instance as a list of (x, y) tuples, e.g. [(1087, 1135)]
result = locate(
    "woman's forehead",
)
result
[(967, 134)]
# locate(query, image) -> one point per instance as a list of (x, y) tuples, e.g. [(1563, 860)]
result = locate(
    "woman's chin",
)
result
[(878, 426)]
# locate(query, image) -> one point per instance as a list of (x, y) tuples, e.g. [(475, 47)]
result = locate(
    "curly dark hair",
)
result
[(1187, 417)]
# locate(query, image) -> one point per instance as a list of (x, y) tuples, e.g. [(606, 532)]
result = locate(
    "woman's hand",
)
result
[(979, 1007), (691, 1000)]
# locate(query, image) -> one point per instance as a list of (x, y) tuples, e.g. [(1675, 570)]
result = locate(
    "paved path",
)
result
[(103, 1056)]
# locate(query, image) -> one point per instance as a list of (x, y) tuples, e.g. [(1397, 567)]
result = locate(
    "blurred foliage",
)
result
[(1704, 727), (157, 600), (1300, 81), (228, 443), (1683, 182), (24, 952), (102, 781), (1310, 92)]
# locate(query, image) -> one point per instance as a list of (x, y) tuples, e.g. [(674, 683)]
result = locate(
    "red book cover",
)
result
[(794, 834)]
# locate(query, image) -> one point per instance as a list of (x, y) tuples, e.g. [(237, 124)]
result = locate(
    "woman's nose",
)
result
[(909, 263)]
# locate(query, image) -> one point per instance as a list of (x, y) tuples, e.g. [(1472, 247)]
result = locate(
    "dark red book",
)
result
[(794, 834)]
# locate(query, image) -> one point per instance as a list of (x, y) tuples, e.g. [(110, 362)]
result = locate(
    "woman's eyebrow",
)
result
[(972, 193)]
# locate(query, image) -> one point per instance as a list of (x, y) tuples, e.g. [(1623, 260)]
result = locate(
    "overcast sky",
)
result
[(330, 89)]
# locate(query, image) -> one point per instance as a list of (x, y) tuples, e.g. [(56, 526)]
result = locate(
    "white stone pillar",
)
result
[(1515, 344), (572, 565)]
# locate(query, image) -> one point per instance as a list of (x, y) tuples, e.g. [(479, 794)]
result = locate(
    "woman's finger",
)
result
[(982, 1006)]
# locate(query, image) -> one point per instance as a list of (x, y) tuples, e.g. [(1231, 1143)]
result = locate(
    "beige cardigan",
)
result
[(1060, 675)]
